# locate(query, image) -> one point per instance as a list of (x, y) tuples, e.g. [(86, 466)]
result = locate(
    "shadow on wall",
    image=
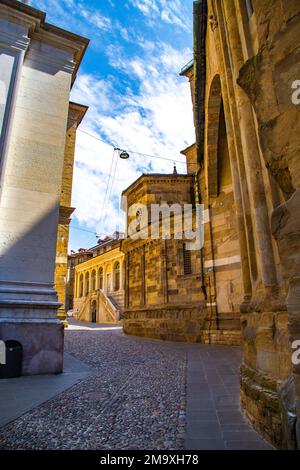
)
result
[(31, 258)]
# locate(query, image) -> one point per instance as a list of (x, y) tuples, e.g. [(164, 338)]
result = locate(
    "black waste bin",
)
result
[(13, 366)]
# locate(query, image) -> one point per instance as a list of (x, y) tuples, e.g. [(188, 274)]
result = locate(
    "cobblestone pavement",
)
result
[(133, 400), (141, 394)]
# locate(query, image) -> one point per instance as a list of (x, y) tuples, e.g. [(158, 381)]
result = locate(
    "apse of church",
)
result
[(163, 295)]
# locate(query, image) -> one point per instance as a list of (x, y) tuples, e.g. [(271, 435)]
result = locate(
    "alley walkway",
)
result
[(139, 394)]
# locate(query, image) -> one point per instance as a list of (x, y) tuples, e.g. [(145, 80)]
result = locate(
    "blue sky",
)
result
[(130, 80)]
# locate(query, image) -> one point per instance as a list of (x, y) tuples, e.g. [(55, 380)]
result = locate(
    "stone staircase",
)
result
[(106, 309), (109, 307), (83, 312), (118, 299)]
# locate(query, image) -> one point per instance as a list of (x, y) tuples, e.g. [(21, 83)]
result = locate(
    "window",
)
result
[(187, 261), (249, 7), (117, 276), (100, 278)]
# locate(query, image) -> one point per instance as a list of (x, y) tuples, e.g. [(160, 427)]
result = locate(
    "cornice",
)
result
[(18, 40), (77, 112), (34, 21), (147, 179), (112, 255), (65, 213)]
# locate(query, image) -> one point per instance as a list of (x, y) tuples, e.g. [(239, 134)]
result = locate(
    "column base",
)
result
[(42, 342), (28, 314), (261, 403), (267, 388)]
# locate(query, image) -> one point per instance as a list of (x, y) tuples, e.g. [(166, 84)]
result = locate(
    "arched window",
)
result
[(81, 285), (117, 276), (87, 283), (93, 280), (100, 278)]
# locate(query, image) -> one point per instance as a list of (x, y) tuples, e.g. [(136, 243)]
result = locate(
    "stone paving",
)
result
[(214, 419), (141, 394)]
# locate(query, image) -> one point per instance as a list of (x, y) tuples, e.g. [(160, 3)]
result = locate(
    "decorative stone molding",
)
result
[(213, 22)]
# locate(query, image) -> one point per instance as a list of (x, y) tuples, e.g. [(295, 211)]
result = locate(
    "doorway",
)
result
[(94, 311)]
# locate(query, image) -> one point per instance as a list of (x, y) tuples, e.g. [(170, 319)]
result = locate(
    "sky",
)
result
[(137, 101)]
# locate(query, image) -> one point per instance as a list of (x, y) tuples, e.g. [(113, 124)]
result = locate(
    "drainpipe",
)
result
[(198, 201)]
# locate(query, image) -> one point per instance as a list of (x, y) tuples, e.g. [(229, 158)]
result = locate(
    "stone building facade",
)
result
[(38, 66), (164, 298), (75, 116), (74, 258), (247, 120), (99, 283)]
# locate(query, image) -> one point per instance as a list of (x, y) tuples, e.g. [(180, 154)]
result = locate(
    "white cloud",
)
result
[(75, 16), (94, 17), (143, 106), (169, 11), (155, 118)]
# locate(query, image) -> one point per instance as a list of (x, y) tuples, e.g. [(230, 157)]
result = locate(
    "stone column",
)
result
[(97, 277), (75, 286), (235, 171), (232, 117), (127, 291), (252, 157), (31, 177), (286, 229)]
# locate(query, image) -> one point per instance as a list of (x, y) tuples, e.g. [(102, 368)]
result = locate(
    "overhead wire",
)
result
[(170, 159), (107, 186), (112, 174)]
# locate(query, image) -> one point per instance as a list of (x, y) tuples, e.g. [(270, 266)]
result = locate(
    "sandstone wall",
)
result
[(76, 113)]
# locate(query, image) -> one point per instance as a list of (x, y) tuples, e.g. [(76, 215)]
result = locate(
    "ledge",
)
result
[(29, 303)]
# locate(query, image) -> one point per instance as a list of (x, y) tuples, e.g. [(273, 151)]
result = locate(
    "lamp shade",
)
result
[(124, 155)]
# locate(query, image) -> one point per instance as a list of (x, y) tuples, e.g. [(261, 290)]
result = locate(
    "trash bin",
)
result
[(13, 366)]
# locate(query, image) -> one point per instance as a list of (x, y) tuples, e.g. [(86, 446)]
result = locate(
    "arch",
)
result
[(100, 278), (213, 122), (93, 280), (81, 285), (117, 275), (87, 283)]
